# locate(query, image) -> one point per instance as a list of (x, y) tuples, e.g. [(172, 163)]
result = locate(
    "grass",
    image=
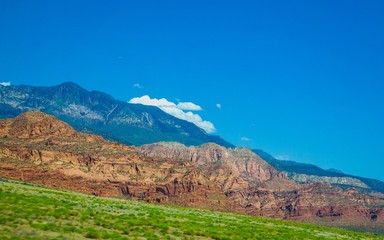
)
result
[(32, 212)]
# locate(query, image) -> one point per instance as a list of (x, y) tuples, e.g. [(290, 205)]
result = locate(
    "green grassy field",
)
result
[(32, 212)]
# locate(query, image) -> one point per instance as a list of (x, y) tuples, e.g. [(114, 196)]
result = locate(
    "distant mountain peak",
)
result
[(70, 84), (70, 88), (98, 112)]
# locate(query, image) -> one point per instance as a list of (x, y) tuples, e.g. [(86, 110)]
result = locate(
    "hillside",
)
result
[(41, 149), (99, 113), (28, 211)]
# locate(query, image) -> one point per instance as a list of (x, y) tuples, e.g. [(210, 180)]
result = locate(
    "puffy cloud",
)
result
[(178, 110), (146, 100), (245, 139), (137, 85), (188, 106), (5, 84), (218, 105)]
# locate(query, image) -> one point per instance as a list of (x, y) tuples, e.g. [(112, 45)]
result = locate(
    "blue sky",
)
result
[(301, 80)]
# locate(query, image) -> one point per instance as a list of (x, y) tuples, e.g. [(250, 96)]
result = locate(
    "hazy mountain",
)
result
[(307, 173), (100, 113)]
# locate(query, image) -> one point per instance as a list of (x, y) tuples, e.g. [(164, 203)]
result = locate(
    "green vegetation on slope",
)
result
[(32, 212)]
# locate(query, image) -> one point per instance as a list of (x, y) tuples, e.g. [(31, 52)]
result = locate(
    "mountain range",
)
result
[(41, 149), (99, 113), (136, 124)]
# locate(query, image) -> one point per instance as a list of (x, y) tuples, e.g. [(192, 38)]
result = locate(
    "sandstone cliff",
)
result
[(231, 168)]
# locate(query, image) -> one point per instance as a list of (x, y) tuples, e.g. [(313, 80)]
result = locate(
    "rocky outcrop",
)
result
[(254, 187), (304, 178), (237, 166), (307, 201)]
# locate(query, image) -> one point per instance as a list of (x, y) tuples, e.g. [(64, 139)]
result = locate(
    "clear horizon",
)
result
[(300, 80)]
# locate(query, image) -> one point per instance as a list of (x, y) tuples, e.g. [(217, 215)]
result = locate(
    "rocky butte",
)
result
[(41, 149)]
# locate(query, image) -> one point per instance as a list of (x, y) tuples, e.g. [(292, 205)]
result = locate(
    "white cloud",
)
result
[(218, 105), (5, 84), (282, 157), (146, 100), (245, 139), (137, 85), (188, 106), (177, 110)]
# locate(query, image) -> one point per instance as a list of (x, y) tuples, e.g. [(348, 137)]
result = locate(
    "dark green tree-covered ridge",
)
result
[(31, 212), (99, 113)]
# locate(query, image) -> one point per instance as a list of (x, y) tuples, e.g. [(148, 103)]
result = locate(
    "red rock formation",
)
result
[(39, 148), (228, 167)]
